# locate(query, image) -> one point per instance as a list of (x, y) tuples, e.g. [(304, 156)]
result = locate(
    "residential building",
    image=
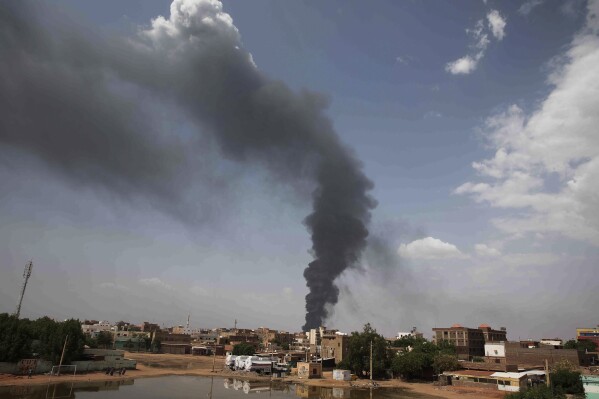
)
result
[(469, 342), (491, 335), (588, 334), (334, 345), (514, 356), (94, 329)]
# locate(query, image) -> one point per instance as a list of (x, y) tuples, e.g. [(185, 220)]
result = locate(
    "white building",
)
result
[(555, 342), (495, 349), (94, 329)]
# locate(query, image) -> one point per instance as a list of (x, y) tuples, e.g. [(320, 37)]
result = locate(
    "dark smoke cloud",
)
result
[(73, 100)]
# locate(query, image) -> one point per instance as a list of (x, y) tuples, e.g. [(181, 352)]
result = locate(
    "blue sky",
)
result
[(511, 242)]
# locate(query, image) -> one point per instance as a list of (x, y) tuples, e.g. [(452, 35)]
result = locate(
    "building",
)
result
[(412, 333), (495, 380), (555, 343), (309, 370), (469, 342), (514, 356), (491, 335), (588, 334), (149, 327), (93, 330), (130, 343), (101, 359), (334, 346)]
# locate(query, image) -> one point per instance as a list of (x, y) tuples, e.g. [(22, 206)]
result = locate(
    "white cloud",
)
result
[(462, 66), (113, 286), (404, 59), (154, 282), (430, 248), (496, 24), (189, 22), (546, 163), (486, 251), (528, 5), (480, 41)]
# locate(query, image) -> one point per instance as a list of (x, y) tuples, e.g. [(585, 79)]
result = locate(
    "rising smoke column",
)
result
[(194, 61)]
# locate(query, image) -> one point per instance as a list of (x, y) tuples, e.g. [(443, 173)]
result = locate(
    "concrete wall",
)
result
[(41, 367), (84, 366), (495, 349), (535, 357)]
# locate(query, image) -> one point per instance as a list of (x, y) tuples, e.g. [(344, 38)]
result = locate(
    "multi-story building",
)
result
[(588, 334), (334, 345), (469, 342)]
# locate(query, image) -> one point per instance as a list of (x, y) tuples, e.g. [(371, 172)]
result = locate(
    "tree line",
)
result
[(409, 357), (42, 338)]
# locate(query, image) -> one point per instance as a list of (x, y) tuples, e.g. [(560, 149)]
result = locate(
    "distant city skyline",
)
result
[(475, 121)]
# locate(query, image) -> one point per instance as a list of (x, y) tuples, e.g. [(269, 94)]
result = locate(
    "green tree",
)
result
[(581, 345), (105, 339), (567, 381), (445, 362), (538, 392), (15, 338), (91, 342), (244, 349), (423, 356), (19, 338), (410, 364), (358, 358)]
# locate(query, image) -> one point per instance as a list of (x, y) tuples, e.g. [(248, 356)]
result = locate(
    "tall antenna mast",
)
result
[(26, 275)]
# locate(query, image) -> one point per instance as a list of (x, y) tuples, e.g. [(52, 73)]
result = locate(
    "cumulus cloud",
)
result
[(462, 66), (486, 251), (154, 282), (528, 6), (479, 42), (430, 248), (496, 24), (546, 162)]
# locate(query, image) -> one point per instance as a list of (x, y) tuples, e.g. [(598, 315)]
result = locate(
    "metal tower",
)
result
[(26, 275)]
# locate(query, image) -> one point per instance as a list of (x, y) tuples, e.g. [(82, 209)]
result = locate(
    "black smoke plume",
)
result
[(81, 102)]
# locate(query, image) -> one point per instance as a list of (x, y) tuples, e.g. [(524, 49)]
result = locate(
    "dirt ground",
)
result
[(156, 365)]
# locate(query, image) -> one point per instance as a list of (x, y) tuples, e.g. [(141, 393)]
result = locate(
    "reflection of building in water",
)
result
[(310, 392), (255, 386), (61, 390), (237, 385), (340, 393)]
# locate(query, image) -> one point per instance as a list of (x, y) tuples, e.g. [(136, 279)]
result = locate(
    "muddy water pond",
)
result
[(186, 387)]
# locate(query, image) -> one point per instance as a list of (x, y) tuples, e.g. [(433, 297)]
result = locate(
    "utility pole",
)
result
[(26, 275), (547, 374), (214, 358), (64, 347), (370, 360)]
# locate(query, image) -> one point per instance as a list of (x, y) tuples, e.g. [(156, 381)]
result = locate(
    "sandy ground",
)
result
[(156, 365)]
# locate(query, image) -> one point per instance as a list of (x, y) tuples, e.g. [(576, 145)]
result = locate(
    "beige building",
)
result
[(469, 342), (335, 345)]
